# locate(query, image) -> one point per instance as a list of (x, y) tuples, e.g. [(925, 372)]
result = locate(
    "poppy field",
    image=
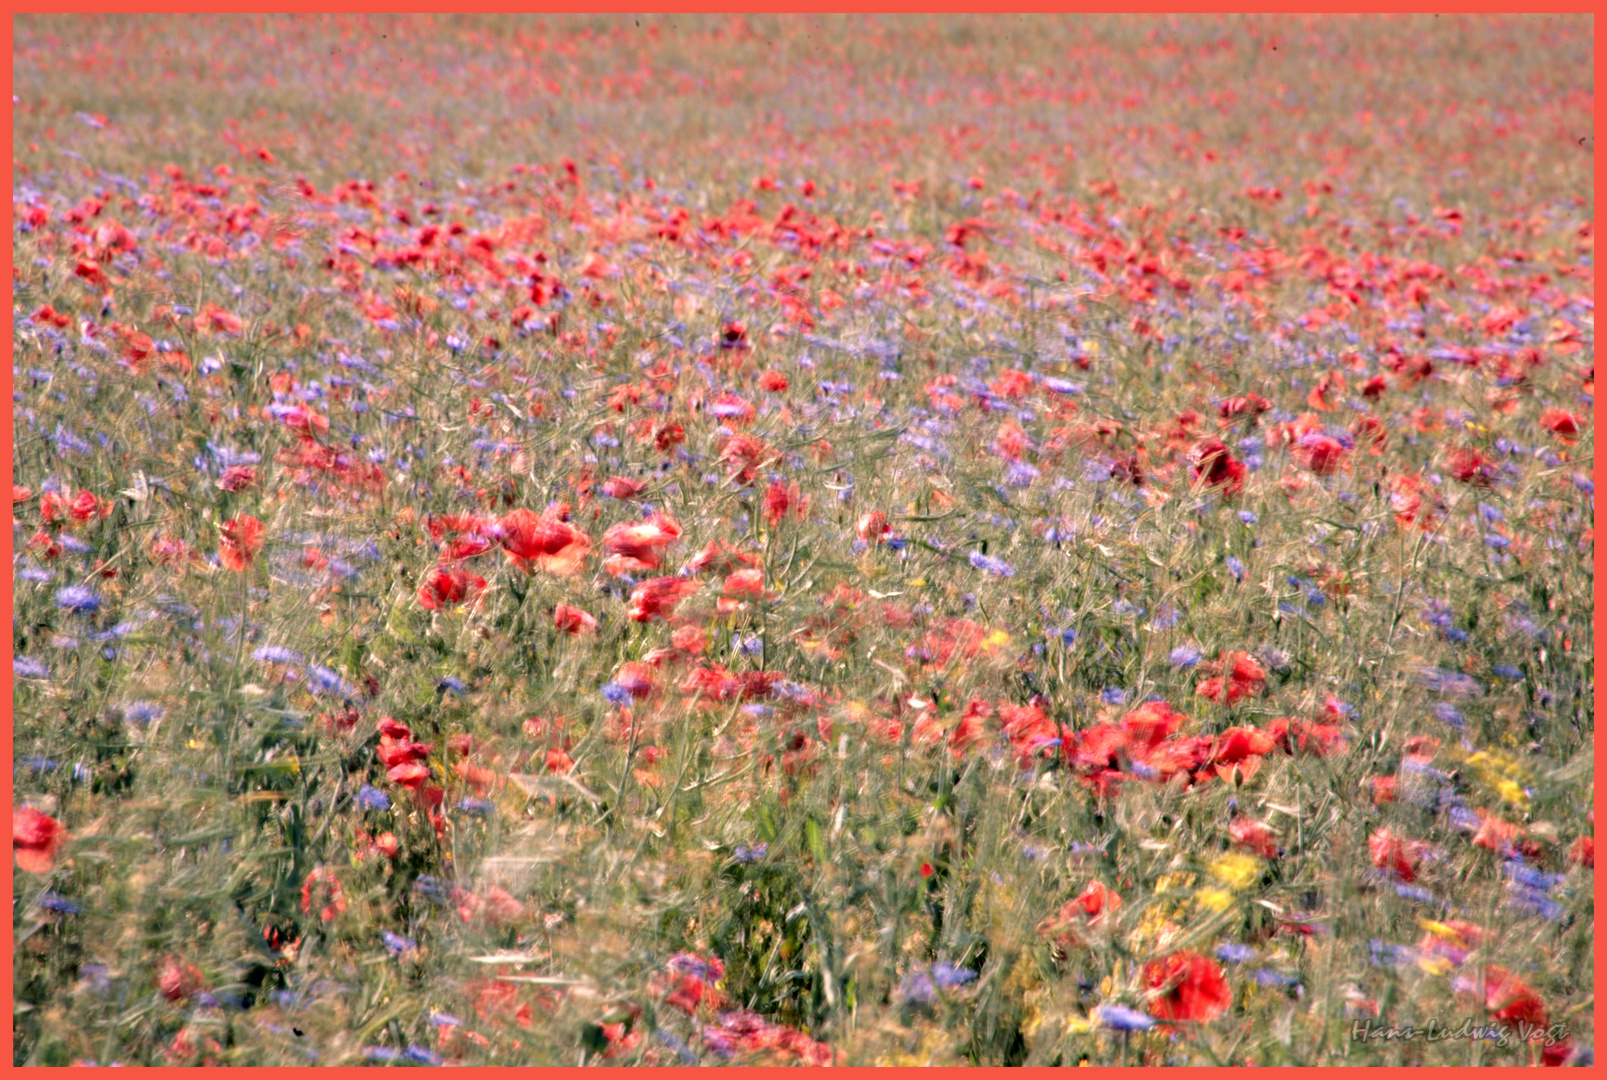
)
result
[(662, 540)]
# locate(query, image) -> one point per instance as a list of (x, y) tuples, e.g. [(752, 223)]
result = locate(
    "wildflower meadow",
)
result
[(667, 540)]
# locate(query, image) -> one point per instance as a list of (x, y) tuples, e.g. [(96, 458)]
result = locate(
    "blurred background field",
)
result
[(660, 539)]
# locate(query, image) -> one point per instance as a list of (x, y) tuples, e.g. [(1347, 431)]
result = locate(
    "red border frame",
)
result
[(6, 995)]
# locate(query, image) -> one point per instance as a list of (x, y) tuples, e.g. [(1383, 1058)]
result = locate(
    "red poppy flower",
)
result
[(178, 981), (1252, 835), (779, 498), (1186, 986), (657, 597), (744, 583), (1151, 722), (87, 506), (34, 839), (1495, 834), (445, 588), (635, 547), (1509, 998), (619, 487), (1394, 855), (1561, 423), (1321, 454), (1383, 788), (545, 542), (635, 677), (1213, 465), (1239, 743), (323, 879), (397, 751), (409, 774), (572, 620), (241, 540), (873, 527), (1471, 467), (1583, 852)]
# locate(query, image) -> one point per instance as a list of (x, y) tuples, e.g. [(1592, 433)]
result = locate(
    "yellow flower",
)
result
[(1173, 882), (1213, 899), (1436, 966), (1236, 870), (1511, 791), (1439, 930)]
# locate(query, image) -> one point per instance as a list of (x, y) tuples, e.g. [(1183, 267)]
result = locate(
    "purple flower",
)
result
[(77, 598), (994, 566), (398, 944), (1121, 1018), (1184, 656), (372, 798), (26, 667)]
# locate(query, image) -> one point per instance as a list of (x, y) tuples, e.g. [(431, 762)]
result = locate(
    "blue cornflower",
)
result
[(917, 987), (1235, 954), (441, 1019), (1451, 683), (1184, 656), (1507, 671), (746, 854), (276, 654), (1019, 474), (1535, 902), (1449, 713), (77, 598), (431, 887), (452, 683), (994, 566), (26, 667), (372, 798), (1248, 517), (54, 901), (1113, 695), (320, 680), (398, 944), (1121, 1018), (477, 807), (615, 694), (1265, 977), (142, 712), (36, 573), (1236, 568), (948, 976)]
